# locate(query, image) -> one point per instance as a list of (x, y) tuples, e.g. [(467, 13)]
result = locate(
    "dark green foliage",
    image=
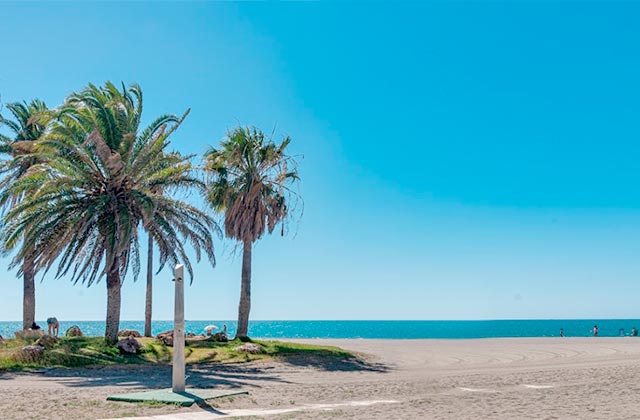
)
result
[(97, 180)]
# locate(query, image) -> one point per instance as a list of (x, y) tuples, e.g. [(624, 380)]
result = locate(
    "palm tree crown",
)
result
[(29, 124), (250, 179)]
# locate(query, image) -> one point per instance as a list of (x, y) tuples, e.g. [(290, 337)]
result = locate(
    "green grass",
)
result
[(92, 351)]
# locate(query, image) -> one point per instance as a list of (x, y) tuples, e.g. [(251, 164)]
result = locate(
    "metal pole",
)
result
[(178, 333)]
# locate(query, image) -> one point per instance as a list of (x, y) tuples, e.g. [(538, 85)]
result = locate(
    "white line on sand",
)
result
[(476, 389), (203, 415), (538, 386)]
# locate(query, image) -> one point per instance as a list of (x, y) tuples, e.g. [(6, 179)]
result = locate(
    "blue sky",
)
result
[(460, 160)]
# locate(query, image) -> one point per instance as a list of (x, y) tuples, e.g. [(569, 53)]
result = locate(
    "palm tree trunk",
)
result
[(245, 292), (149, 299), (113, 301), (29, 293)]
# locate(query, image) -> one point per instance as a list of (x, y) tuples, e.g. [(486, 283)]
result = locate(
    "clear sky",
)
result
[(461, 160)]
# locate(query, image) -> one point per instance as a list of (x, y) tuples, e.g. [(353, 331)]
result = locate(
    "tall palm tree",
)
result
[(29, 125), (249, 179), (148, 301), (98, 185)]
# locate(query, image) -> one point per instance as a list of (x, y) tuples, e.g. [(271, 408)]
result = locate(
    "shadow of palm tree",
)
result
[(159, 376), (332, 363)]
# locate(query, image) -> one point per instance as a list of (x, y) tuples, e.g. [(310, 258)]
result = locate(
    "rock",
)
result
[(30, 354), (220, 337), (129, 345), (47, 341), (74, 332), (166, 337), (129, 333), (195, 338), (29, 334), (249, 348)]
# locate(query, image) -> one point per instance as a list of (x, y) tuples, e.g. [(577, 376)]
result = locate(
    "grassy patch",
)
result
[(91, 351)]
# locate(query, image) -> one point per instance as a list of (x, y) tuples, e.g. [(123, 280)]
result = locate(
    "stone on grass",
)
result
[(129, 333), (29, 334), (166, 337), (47, 341), (249, 348), (30, 354), (74, 331), (129, 345)]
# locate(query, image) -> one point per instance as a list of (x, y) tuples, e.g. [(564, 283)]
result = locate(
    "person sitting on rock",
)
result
[(53, 326)]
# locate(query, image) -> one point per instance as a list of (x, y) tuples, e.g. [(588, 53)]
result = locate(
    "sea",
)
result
[(372, 329)]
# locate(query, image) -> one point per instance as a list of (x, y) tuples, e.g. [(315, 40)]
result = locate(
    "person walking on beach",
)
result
[(561, 332), (595, 330), (53, 326)]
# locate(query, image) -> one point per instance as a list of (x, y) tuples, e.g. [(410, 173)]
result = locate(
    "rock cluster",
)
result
[(166, 337), (129, 345), (74, 332), (249, 348), (29, 334), (47, 341), (30, 354), (129, 333)]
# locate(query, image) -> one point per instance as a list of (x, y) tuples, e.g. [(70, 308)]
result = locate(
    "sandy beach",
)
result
[(535, 378)]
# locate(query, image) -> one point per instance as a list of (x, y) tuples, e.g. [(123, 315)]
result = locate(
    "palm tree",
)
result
[(249, 180), (99, 183), (29, 125), (148, 301)]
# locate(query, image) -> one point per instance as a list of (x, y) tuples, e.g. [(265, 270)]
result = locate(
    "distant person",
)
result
[(35, 326), (209, 329), (53, 326), (224, 329), (595, 330), (561, 332), (634, 332)]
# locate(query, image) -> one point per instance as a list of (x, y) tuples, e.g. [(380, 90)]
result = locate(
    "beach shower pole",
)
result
[(178, 333)]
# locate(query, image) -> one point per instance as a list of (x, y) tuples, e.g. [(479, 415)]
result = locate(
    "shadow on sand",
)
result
[(159, 376), (334, 364), (249, 375)]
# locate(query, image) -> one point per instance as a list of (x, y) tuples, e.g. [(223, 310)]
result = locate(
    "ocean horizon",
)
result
[(372, 329)]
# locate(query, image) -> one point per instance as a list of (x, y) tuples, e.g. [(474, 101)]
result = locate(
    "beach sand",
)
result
[(502, 379)]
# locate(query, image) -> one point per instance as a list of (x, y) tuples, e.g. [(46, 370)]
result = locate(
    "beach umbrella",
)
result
[(210, 328)]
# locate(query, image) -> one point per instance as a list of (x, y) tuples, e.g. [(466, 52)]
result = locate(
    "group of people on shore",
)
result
[(53, 326), (594, 331)]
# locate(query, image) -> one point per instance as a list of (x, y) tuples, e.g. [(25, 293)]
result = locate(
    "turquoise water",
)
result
[(374, 329)]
